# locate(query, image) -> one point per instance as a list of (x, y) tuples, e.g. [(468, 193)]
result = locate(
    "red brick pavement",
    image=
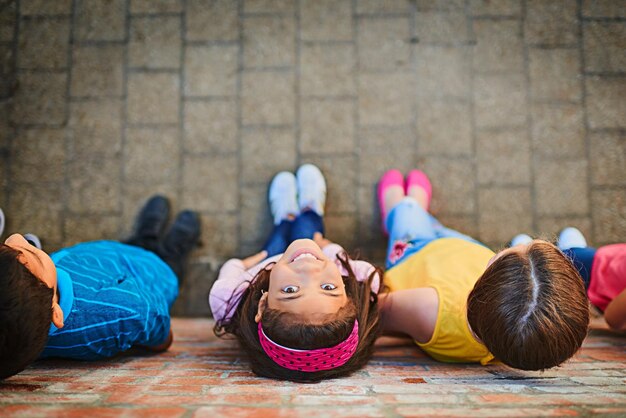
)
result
[(202, 376)]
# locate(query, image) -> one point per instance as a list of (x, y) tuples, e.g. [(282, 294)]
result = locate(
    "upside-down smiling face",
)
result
[(305, 282)]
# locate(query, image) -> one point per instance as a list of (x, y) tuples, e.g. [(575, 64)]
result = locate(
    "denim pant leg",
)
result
[(408, 221), (305, 225), (279, 240)]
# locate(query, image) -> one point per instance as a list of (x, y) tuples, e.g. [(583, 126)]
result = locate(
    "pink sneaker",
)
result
[(418, 178), (390, 178)]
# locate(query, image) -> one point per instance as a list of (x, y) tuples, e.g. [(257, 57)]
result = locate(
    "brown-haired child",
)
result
[(460, 302)]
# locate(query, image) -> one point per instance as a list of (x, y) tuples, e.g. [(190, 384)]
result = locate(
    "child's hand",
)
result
[(319, 239), (255, 259)]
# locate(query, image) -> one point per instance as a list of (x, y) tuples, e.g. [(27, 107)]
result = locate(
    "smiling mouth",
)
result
[(303, 255)]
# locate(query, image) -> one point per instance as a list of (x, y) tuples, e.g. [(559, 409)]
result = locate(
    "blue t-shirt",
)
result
[(113, 296)]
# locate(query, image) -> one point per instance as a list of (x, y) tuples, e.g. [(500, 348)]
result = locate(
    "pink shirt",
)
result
[(608, 275), (234, 279)]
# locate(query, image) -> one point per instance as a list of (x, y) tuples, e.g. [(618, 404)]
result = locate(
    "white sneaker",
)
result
[(282, 196), (311, 189), (1, 222), (571, 238), (33, 239), (520, 239)]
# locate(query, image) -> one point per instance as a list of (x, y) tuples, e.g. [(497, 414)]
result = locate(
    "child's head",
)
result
[(29, 303), (303, 302), (530, 307)]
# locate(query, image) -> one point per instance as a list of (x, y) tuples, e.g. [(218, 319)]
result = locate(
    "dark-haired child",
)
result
[(460, 302), (95, 299), (602, 269), (301, 308)]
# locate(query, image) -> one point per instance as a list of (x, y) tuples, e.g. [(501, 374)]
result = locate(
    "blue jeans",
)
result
[(410, 228), (304, 226), (582, 259)]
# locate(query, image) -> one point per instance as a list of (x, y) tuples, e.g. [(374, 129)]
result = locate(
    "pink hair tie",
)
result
[(311, 360)]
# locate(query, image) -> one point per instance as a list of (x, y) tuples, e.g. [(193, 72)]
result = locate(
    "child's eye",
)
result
[(329, 286), (290, 289)]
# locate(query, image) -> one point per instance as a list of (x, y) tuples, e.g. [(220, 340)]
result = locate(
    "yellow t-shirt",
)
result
[(451, 266)]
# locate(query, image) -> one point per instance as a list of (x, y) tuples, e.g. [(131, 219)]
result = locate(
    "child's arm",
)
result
[(412, 312), (615, 312)]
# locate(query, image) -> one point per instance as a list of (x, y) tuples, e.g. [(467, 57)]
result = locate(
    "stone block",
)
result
[(94, 184), (211, 70), (255, 218), (45, 7), (384, 149), (606, 107), (43, 44), (90, 227), (386, 99), (499, 46), (210, 183), (220, 237), (438, 27), (370, 226), (608, 214), (211, 127), (156, 6), (267, 98), (266, 152), (548, 228), (603, 8), (554, 74), (551, 22), (388, 6), (342, 180), (342, 229), (558, 130), (326, 20), (383, 44), (500, 100), (326, 127), (444, 127), (212, 20), (95, 127), (603, 45), (269, 6), (440, 5), (153, 98), (37, 208), (504, 212), (40, 99), (163, 147), (97, 71), (7, 71), (454, 183), (8, 20), (155, 42), (495, 8), (327, 70), (503, 157), (199, 278), (465, 224), (608, 158), (6, 128), (96, 20), (38, 154), (443, 71), (268, 41), (561, 187)]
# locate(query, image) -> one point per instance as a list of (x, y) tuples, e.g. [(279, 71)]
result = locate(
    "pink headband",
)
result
[(311, 360)]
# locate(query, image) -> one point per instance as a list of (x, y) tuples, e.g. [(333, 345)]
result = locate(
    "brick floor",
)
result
[(202, 375)]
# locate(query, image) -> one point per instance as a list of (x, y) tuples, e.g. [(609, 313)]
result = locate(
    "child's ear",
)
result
[(261, 308), (57, 315)]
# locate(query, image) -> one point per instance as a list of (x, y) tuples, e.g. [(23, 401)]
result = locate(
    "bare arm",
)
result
[(412, 312), (615, 313)]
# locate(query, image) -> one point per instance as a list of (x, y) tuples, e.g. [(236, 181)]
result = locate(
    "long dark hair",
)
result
[(530, 308), (292, 331)]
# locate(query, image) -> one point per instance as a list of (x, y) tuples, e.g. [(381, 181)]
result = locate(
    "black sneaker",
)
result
[(150, 223), (182, 237)]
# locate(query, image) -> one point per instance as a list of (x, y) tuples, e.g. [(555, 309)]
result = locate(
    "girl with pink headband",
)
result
[(301, 308)]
